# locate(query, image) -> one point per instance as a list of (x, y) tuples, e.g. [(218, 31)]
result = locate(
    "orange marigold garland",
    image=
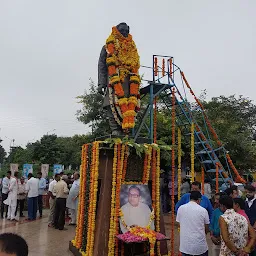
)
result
[(155, 66), (123, 60), (239, 178), (77, 242), (202, 177), (163, 67)]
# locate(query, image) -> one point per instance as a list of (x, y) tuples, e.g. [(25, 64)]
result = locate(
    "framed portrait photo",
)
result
[(136, 206)]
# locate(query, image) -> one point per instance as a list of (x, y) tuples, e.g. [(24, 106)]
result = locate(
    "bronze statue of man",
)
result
[(118, 79)]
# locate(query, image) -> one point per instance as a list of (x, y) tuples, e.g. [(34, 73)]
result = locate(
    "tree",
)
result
[(92, 112), (234, 120), (2, 153)]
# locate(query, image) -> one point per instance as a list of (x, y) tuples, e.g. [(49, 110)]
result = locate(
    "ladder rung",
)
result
[(209, 162), (214, 170), (203, 152)]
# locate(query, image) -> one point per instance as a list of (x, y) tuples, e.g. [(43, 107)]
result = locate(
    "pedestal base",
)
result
[(74, 250)]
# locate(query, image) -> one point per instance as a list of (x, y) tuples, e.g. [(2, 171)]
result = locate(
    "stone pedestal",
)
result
[(104, 202)]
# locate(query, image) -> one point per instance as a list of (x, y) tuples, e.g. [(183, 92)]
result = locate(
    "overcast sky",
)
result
[(49, 49)]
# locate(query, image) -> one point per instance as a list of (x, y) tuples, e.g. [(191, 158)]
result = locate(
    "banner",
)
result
[(27, 168), (44, 170), (57, 168), (14, 168)]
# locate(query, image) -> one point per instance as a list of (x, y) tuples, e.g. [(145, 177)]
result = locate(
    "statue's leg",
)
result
[(115, 128)]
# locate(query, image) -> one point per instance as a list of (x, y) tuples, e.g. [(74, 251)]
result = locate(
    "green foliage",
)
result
[(92, 112), (2, 153), (234, 120)]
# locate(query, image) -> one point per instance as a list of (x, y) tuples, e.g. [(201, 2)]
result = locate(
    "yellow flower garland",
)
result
[(149, 154), (192, 152), (111, 239), (93, 198), (158, 197)]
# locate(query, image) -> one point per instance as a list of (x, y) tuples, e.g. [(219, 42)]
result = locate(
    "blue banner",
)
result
[(27, 168), (57, 168)]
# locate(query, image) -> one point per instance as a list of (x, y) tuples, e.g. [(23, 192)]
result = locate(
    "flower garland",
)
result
[(123, 60), (217, 178), (155, 66), (192, 154), (77, 242), (173, 169), (158, 197), (240, 179), (126, 154), (112, 229), (147, 165), (154, 178), (120, 156), (202, 178), (93, 199), (87, 200), (179, 163)]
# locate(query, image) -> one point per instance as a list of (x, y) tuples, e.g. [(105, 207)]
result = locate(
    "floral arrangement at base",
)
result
[(130, 237)]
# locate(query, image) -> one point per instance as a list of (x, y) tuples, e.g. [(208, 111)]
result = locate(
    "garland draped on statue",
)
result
[(123, 61)]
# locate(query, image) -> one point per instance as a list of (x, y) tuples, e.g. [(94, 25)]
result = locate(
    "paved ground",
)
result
[(44, 241)]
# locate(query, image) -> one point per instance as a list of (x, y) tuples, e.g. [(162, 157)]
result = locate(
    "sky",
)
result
[(49, 50)]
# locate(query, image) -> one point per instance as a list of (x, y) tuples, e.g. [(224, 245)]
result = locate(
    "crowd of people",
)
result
[(229, 217), (63, 195)]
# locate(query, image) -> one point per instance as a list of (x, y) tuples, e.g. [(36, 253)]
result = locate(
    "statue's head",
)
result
[(123, 28)]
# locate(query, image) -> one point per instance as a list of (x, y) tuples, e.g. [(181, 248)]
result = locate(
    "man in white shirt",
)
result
[(194, 224), (41, 191), (72, 201), (11, 200), (5, 191), (52, 201), (32, 190)]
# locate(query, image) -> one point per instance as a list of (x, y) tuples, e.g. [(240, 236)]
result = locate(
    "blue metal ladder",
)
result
[(205, 150)]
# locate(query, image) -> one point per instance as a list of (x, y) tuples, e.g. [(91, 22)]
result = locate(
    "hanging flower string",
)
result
[(192, 154), (179, 163), (77, 242), (202, 177), (111, 240), (155, 66), (120, 156), (214, 134), (158, 169), (93, 199), (173, 170)]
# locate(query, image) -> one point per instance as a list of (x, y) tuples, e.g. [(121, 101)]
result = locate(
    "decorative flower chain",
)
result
[(179, 163), (111, 240), (93, 199), (192, 153), (77, 242), (123, 60), (158, 198)]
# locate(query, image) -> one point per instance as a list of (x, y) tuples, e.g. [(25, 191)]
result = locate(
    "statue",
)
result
[(118, 79)]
